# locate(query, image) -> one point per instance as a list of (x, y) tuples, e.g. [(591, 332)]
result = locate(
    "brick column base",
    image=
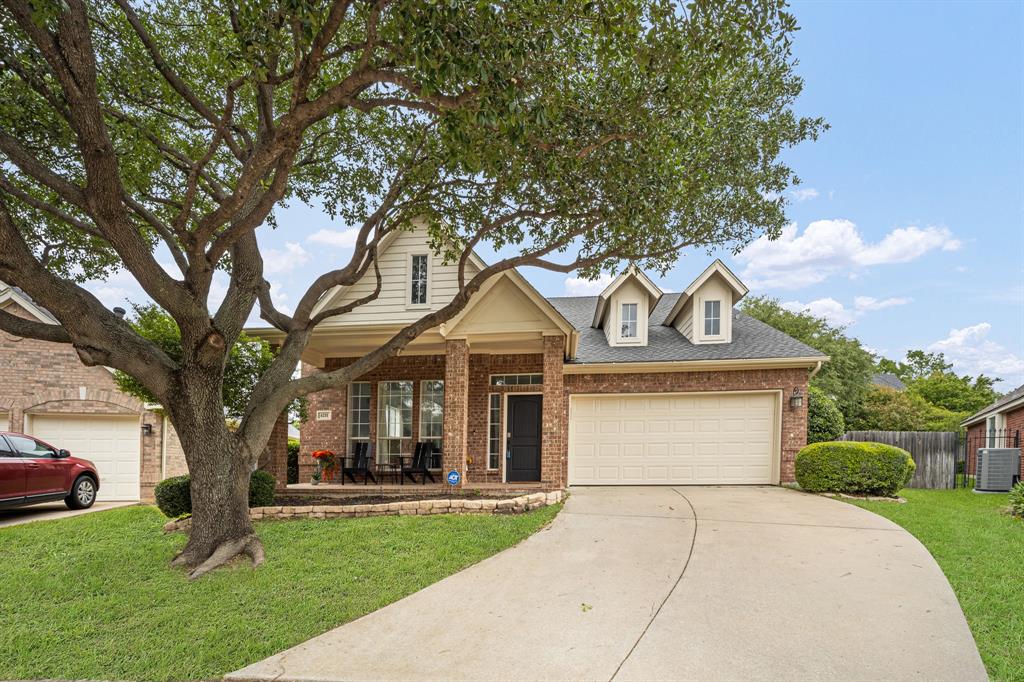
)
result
[(456, 406)]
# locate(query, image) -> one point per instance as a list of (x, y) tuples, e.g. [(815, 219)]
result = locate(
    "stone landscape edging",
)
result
[(512, 505)]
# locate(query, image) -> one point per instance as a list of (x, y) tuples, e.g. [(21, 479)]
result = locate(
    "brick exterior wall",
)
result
[(39, 377), (556, 388)]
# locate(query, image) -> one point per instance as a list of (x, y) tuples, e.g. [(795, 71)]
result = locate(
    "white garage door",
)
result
[(111, 443), (5, 422), (673, 438)]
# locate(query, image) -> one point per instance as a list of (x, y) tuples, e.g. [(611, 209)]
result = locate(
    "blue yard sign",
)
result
[(454, 477)]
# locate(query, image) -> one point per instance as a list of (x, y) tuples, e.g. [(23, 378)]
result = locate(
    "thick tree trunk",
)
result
[(220, 468)]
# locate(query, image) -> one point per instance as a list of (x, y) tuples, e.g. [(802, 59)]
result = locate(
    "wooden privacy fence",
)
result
[(934, 453)]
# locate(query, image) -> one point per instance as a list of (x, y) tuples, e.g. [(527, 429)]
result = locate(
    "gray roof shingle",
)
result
[(751, 339), (887, 380), (1013, 395)]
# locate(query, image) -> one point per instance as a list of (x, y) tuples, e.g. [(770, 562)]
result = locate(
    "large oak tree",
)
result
[(568, 134)]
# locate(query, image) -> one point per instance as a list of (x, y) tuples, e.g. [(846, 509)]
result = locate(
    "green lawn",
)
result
[(92, 597), (981, 551)]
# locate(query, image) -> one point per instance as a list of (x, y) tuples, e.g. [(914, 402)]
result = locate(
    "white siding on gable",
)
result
[(392, 306), (690, 321)]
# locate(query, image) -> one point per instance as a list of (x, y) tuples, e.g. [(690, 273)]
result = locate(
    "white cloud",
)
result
[(804, 194), (279, 261), (279, 297), (972, 352), (828, 247), (868, 303), (838, 314), (575, 286), (344, 239)]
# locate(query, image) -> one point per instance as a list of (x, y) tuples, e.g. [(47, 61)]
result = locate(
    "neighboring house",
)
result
[(48, 393), (997, 426), (635, 386), (886, 380)]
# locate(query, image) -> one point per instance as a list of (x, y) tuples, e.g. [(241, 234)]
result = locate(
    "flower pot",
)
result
[(314, 481)]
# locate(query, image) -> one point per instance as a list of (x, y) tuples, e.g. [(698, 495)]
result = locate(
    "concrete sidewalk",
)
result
[(669, 583)]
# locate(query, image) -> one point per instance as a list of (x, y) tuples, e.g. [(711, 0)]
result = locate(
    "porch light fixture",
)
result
[(797, 399), (147, 429)]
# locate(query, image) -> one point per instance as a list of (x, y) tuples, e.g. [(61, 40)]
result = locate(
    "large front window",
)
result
[(358, 413), (394, 417), (418, 289), (432, 416)]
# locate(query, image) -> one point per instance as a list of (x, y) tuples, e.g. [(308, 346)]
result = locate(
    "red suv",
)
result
[(32, 471)]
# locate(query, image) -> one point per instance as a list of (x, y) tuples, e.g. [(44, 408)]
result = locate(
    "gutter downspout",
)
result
[(816, 369)]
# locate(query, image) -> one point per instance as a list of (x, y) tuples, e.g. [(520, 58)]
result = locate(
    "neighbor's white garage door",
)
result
[(111, 443), (5, 424), (673, 438)]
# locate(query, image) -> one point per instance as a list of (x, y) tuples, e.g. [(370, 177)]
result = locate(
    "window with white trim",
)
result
[(432, 414), (494, 432), (994, 426), (517, 379), (712, 318), (394, 417), (418, 280), (358, 413), (628, 322)]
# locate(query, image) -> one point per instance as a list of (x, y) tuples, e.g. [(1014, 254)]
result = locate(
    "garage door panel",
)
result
[(670, 439), (111, 443), (5, 422)]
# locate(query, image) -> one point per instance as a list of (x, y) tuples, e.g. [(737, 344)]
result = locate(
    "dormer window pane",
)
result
[(712, 318), (419, 280), (629, 320)]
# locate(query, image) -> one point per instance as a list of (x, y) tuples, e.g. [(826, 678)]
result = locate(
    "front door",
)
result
[(522, 456)]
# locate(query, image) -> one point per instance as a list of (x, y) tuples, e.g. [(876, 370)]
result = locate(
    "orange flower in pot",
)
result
[(327, 463)]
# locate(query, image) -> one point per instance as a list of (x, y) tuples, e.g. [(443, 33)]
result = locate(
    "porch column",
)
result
[(553, 427), (456, 404), (275, 458)]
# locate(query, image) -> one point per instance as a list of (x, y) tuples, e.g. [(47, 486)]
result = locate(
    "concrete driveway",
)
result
[(51, 510), (669, 583)]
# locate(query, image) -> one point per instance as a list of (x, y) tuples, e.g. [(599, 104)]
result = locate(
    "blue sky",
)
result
[(908, 226)]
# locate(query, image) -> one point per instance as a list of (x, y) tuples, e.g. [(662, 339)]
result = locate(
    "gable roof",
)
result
[(1014, 398), (13, 294), (739, 289), (887, 380), (650, 288), (752, 339)]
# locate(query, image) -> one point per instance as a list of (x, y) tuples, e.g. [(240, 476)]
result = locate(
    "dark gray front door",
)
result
[(523, 456)]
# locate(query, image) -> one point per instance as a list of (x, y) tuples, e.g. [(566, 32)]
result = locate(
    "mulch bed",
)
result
[(304, 500)]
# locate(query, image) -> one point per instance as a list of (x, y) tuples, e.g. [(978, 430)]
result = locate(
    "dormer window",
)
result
[(712, 318), (629, 320), (418, 280)]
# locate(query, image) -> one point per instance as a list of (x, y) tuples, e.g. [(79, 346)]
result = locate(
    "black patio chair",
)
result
[(360, 465), (420, 464)]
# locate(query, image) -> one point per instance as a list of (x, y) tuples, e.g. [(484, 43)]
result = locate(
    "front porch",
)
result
[(496, 418)]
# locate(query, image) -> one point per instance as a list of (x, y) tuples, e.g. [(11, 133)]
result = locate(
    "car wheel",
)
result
[(83, 493)]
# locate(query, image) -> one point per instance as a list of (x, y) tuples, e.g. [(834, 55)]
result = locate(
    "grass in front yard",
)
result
[(981, 551), (92, 597)]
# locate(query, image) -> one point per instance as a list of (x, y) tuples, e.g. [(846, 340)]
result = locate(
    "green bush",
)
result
[(824, 420), (174, 495), (1017, 500), (293, 460), (849, 467)]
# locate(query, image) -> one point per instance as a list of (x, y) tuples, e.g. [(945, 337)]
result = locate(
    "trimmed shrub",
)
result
[(849, 467), (293, 460), (174, 495), (824, 420), (261, 489), (1017, 500)]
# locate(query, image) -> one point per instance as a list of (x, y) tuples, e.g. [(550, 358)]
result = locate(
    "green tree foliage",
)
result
[(248, 359), (930, 377), (885, 409), (824, 420), (846, 376)]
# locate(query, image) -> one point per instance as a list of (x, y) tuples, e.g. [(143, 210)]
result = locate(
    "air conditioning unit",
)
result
[(997, 469)]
